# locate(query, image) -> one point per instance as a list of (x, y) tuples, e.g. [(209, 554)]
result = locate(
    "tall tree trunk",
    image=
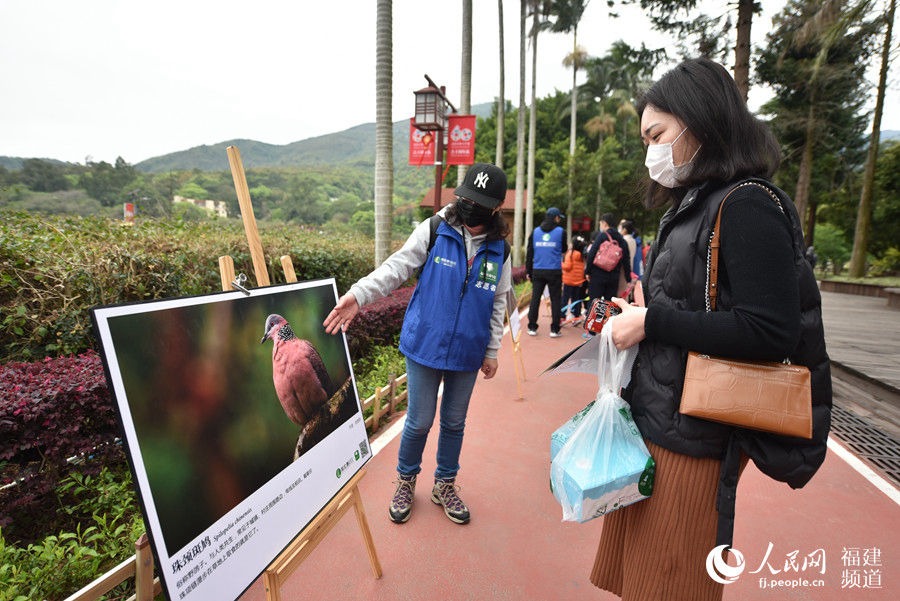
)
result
[(804, 176), (465, 92), (742, 47), (864, 211), (384, 133), (570, 185), (501, 96), (518, 237), (532, 127)]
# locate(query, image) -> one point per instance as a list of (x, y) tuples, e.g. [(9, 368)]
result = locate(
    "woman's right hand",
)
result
[(342, 314), (629, 328)]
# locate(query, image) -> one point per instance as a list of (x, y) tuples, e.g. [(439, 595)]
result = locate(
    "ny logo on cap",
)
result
[(481, 179)]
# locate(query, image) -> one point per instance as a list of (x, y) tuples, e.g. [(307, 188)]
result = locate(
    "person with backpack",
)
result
[(605, 280), (452, 328)]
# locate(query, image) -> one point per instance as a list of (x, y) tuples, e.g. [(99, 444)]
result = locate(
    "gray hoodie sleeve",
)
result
[(498, 317)]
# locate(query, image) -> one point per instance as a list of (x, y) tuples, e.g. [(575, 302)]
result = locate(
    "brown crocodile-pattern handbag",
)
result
[(759, 395)]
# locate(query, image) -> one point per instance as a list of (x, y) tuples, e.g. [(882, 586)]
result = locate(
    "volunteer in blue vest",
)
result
[(543, 264), (452, 328)]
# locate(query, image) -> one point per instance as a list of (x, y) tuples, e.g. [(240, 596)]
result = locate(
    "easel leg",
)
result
[(366, 532), (519, 367), (305, 542)]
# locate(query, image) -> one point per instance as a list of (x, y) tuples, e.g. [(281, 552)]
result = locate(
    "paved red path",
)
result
[(517, 548)]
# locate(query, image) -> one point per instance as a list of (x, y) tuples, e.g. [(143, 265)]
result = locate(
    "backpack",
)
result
[(435, 220), (608, 254)]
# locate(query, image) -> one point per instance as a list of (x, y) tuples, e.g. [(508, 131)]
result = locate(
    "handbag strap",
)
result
[(712, 252)]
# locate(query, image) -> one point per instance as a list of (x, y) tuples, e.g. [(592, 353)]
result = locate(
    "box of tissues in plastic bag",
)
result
[(599, 461)]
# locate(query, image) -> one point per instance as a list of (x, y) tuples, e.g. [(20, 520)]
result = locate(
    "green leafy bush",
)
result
[(832, 247), (105, 522), (887, 265), (376, 368), (54, 269)]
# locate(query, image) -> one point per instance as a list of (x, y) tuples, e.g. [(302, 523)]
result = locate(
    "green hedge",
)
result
[(54, 269)]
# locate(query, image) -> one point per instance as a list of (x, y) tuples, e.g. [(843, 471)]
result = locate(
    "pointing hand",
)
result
[(342, 314)]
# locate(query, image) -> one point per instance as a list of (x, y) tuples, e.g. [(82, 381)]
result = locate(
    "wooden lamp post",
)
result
[(431, 116)]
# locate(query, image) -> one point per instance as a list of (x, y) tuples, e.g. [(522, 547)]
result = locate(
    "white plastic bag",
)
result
[(603, 463)]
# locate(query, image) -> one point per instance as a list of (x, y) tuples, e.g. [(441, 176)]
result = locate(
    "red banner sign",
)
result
[(421, 145), (461, 140), (129, 213)]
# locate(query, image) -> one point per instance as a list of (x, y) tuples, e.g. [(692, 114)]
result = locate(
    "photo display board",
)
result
[(241, 420)]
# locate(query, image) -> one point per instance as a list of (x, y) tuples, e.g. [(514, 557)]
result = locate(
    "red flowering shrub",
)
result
[(518, 275), (52, 412), (378, 323)]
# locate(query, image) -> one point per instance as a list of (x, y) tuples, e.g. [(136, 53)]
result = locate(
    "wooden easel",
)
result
[(515, 334), (308, 538)]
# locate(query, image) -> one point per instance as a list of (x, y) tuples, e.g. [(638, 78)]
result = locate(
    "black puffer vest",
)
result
[(676, 276)]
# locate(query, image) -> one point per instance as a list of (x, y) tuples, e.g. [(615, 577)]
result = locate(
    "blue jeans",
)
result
[(422, 384)]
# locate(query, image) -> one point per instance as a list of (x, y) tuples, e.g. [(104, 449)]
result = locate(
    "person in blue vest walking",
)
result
[(452, 328), (543, 264)]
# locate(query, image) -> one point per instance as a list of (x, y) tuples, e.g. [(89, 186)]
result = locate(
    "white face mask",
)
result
[(661, 164)]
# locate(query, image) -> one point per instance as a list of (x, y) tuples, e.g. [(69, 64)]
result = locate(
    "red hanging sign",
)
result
[(421, 145), (461, 140)]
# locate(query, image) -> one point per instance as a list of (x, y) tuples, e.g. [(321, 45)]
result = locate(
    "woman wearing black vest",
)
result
[(702, 142)]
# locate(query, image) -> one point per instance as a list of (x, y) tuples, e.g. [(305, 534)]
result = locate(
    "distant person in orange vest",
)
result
[(574, 282)]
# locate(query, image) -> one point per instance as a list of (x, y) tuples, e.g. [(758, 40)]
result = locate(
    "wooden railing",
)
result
[(140, 567), (384, 402)]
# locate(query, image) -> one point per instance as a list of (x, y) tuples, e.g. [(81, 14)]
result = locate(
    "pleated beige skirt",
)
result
[(655, 550)]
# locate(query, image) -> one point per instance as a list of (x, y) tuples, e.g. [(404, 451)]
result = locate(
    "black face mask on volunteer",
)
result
[(473, 214)]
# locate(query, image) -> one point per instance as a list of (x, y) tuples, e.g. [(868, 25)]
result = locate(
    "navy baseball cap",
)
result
[(553, 213)]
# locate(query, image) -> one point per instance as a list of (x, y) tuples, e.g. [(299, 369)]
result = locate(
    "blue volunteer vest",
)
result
[(547, 248), (448, 320)]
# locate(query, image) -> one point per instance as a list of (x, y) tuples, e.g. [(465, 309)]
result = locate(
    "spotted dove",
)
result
[(301, 381)]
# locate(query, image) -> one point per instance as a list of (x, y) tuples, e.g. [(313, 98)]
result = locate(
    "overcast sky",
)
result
[(97, 79)]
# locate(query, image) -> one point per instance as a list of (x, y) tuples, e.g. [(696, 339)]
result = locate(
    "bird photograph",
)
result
[(216, 410), (301, 380), (303, 386)]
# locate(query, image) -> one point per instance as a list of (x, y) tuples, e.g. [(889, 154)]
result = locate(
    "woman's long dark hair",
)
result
[(496, 229), (734, 144)]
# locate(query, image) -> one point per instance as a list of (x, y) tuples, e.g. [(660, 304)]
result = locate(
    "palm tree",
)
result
[(538, 8), (864, 211), (600, 126), (518, 237), (384, 136), (465, 79), (576, 60), (501, 95), (568, 14)]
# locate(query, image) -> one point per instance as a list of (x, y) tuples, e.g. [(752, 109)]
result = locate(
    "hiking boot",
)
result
[(444, 493), (401, 504)]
